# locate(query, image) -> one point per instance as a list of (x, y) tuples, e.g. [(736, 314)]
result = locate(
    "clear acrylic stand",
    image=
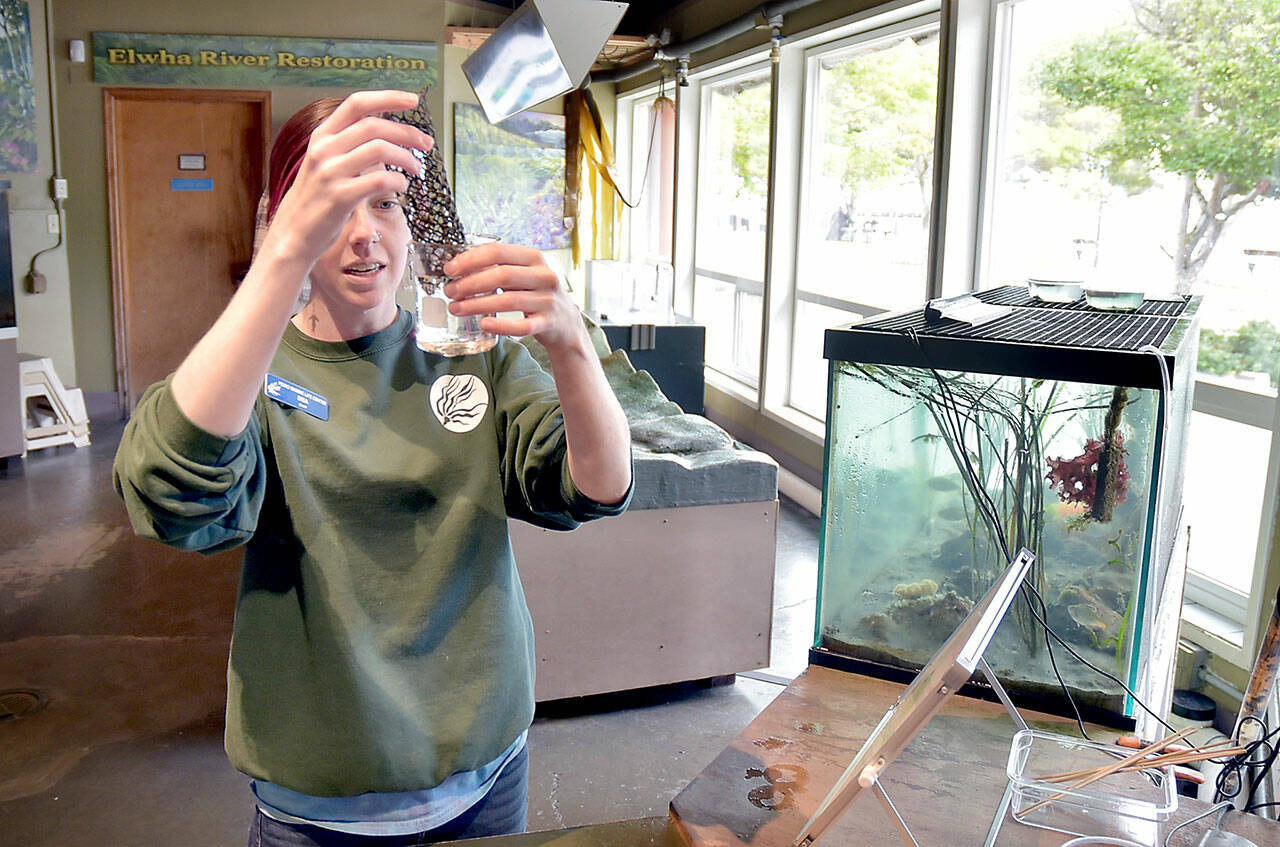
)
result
[(994, 831), (955, 662)]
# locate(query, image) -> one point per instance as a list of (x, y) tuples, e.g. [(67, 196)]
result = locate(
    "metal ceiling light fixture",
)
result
[(545, 49)]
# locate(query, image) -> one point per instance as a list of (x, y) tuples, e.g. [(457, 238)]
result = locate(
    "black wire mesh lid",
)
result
[(1052, 324), (1035, 339), (1103, 330)]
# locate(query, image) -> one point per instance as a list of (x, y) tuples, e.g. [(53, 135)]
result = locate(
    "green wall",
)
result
[(44, 320), (81, 116)]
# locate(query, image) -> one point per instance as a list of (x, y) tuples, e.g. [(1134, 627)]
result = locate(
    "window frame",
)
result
[(1221, 399), (865, 39), (739, 382)]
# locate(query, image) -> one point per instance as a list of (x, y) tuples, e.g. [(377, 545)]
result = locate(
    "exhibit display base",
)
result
[(651, 597)]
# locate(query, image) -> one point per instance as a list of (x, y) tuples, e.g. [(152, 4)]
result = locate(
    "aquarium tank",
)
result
[(1056, 427)]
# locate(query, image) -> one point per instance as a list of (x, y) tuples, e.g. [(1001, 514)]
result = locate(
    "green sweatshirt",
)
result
[(381, 639)]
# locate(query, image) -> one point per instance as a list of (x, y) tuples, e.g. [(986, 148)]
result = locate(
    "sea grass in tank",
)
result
[(935, 478)]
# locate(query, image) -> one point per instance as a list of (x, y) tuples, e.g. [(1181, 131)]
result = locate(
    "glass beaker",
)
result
[(440, 331)]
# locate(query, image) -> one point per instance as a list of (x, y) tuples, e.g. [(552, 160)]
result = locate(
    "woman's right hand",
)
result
[(345, 162)]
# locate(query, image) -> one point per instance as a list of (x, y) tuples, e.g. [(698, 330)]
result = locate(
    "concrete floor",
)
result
[(127, 640)]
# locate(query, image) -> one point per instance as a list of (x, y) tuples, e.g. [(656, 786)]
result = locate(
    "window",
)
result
[(652, 142), (863, 242), (1054, 212), (1122, 156), (728, 288)]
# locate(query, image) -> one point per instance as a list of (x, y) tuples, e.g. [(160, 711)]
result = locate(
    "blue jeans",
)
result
[(504, 810)]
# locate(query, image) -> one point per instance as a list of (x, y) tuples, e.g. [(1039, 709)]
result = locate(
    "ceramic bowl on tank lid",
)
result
[(1055, 290)]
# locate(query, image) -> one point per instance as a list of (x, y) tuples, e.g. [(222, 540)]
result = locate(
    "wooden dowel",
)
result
[(1212, 751), (1155, 763)]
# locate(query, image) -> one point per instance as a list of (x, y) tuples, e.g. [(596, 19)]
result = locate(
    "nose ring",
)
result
[(377, 236)]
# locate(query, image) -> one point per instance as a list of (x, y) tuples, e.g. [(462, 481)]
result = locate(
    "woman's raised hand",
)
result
[(346, 162), (510, 278)]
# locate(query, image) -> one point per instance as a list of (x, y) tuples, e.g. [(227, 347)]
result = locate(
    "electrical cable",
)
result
[(1257, 806), (1041, 618), (653, 134), (1259, 773), (993, 522), (31, 269), (1158, 504), (986, 506), (1221, 808), (1099, 670), (1237, 770), (983, 503), (56, 147), (1229, 782)]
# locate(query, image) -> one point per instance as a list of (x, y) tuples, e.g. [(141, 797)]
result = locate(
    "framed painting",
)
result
[(17, 90), (509, 177)]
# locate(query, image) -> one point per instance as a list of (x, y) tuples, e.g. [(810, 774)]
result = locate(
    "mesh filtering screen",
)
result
[(433, 215)]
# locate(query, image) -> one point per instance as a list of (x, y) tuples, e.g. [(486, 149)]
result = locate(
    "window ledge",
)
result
[(1220, 635), (800, 422), (726, 384)]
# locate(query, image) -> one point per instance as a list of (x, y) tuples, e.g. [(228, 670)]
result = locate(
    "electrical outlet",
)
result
[(59, 189), (54, 224)]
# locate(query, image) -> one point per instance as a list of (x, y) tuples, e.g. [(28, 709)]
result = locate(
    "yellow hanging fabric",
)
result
[(591, 155)]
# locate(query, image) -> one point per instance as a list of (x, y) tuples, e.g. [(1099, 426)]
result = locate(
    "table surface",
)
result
[(947, 784), (642, 832)]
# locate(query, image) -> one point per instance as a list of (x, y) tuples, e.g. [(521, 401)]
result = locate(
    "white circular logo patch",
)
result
[(459, 401)]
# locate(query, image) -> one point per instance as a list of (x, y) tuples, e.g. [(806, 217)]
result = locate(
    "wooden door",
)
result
[(185, 170)]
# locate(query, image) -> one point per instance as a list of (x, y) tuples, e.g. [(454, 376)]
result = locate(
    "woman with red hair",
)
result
[(380, 684)]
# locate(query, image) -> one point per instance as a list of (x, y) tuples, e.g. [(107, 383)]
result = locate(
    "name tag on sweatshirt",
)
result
[(286, 392)]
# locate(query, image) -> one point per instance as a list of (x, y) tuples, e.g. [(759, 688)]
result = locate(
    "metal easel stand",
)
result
[(903, 830), (883, 796), (1003, 806)]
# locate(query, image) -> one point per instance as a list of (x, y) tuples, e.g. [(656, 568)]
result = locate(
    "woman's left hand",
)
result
[(508, 278), (497, 277)]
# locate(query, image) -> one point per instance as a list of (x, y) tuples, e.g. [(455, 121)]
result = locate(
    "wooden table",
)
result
[(642, 832), (762, 788), (947, 784)]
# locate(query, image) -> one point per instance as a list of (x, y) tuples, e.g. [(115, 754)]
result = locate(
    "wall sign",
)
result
[(122, 58), (190, 161), (190, 184)]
